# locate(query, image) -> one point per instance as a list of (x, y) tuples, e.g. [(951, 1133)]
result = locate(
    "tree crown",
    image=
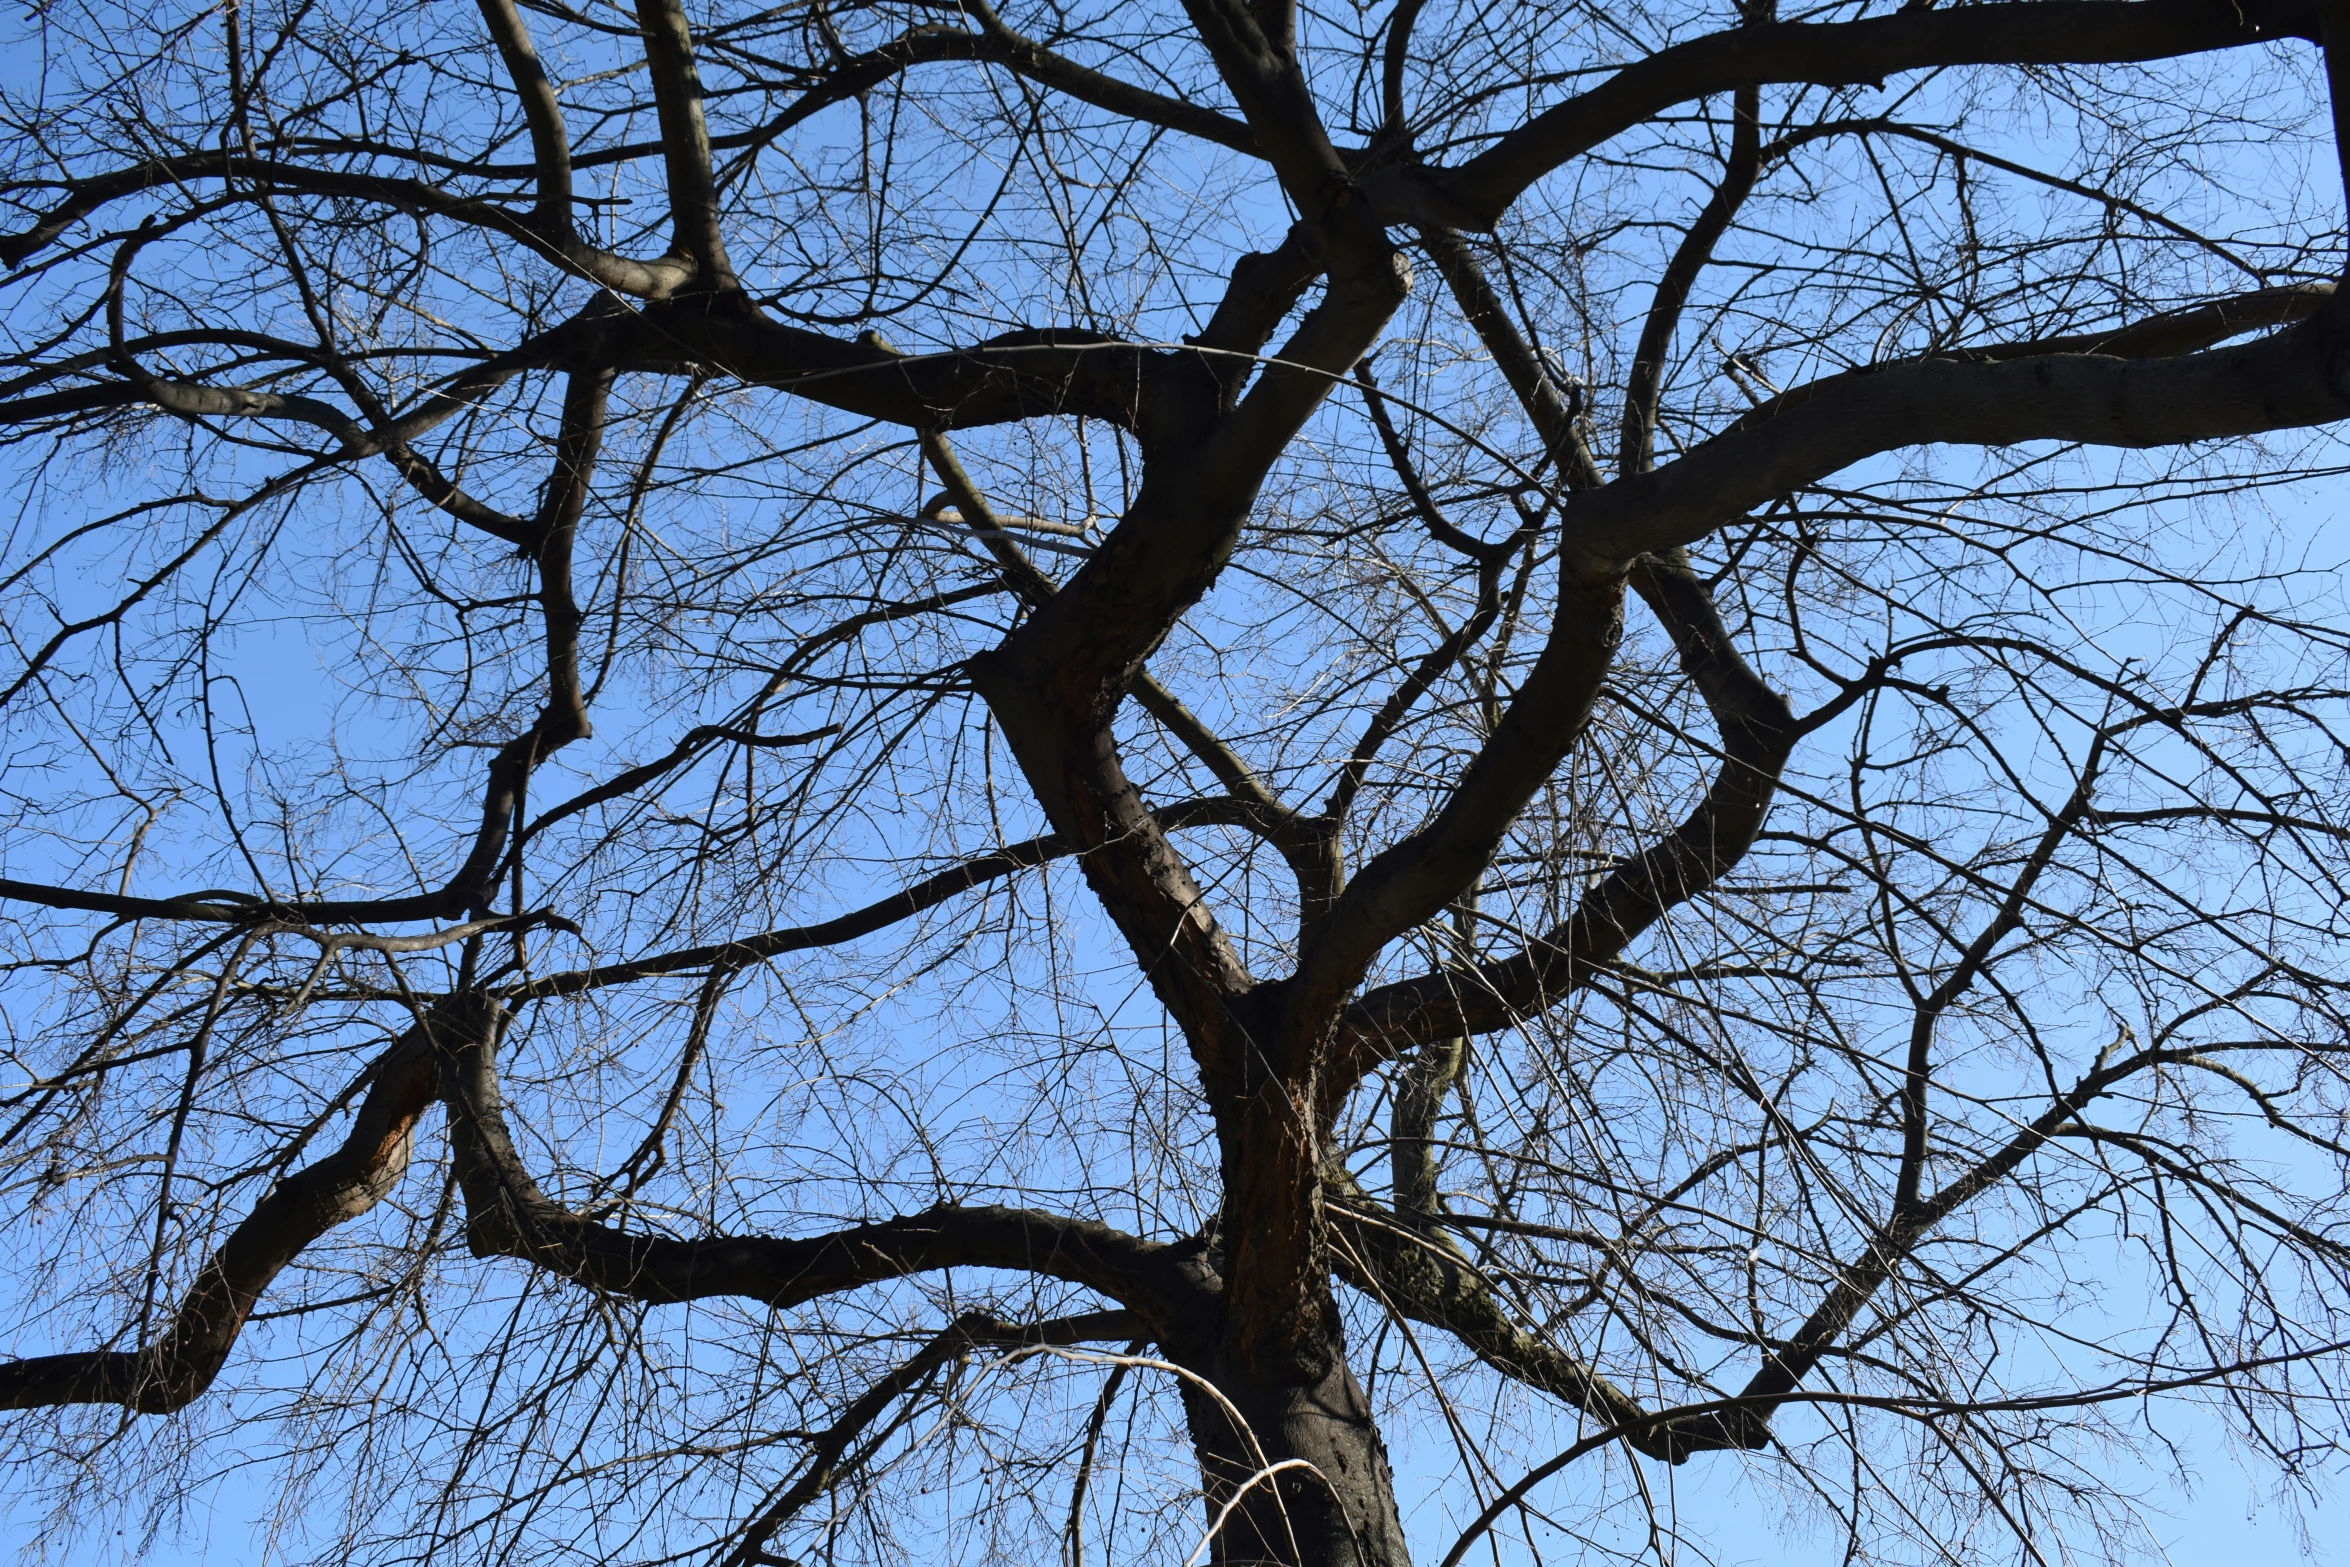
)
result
[(888, 778)]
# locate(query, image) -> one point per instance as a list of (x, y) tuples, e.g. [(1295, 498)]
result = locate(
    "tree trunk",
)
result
[(1339, 1514)]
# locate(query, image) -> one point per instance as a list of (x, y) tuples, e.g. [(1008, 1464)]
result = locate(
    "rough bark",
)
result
[(1333, 1505)]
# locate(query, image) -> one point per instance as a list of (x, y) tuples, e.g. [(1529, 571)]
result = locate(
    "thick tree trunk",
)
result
[(1341, 1513)]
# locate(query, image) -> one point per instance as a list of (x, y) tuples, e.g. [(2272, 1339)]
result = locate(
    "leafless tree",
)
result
[(871, 781)]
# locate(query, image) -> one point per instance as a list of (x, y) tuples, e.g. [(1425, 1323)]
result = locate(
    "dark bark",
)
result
[(176, 1368), (1340, 1511), (1476, 193)]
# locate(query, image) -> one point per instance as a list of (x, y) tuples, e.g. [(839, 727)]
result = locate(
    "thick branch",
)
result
[(685, 144), (1264, 287), (1055, 684), (2289, 380), (1421, 1090), (1016, 376), (2043, 32), (1416, 1271), (2334, 34), (1054, 687), (2162, 336), (1262, 71), (585, 398), (176, 1369), (1757, 734), (508, 1216), (1026, 374), (550, 146), (1407, 883)]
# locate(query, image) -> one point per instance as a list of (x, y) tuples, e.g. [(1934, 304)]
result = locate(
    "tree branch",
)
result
[(2163, 336), (173, 1371), (685, 145), (828, 1459), (542, 111), (1757, 734), (1407, 883), (1646, 381), (1004, 46), (1491, 559), (1416, 1271), (2289, 380), (255, 178), (1025, 374), (924, 894), (1785, 1368), (508, 1216), (1474, 194)]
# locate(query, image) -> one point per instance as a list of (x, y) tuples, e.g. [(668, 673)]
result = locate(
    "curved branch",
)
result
[(592, 338), (2289, 380), (994, 44), (1646, 382), (1394, 58), (542, 110), (548, 539), (176, 1369), (236, 908), (1415, 1270), (192, 400), (1002, 45), (829, 1459), (2161, 336), (1022, 374), (1408, 882), (1474, 194), (282, 484), (1310, 852), (508, 1216), (690, 745), (257, 178), (685, 144), (1758, 733), (1491, 560)]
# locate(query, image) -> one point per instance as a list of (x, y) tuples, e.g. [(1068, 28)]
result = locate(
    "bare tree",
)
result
[(874, 781)]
